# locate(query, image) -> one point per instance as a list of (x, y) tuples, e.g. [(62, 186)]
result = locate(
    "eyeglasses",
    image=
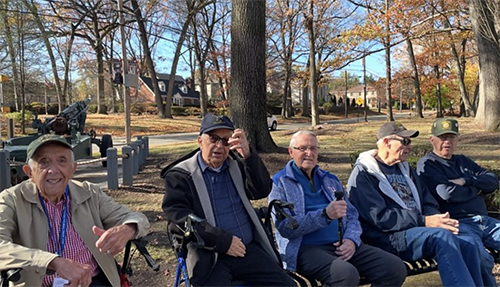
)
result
[(305, 148), (403, 141), (215, 139), (447, 137)]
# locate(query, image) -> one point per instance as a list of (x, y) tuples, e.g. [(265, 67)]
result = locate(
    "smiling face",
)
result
[(444, 145), (213, 150), (51, 168), (304, 151)]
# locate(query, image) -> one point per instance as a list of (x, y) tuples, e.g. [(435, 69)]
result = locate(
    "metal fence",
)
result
[(133, 157)]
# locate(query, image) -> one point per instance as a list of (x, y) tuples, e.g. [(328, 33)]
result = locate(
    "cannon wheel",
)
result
[(106, 142)]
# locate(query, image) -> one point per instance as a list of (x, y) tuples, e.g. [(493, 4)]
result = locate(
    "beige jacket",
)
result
[(24, 228)]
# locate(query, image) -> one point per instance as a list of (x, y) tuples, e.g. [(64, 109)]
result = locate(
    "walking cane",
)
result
[(339, 196)]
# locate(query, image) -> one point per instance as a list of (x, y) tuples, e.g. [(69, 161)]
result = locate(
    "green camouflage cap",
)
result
[(49, 138), (444, 126)]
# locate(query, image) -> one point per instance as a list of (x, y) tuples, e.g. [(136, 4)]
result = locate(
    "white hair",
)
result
[(297, 134)]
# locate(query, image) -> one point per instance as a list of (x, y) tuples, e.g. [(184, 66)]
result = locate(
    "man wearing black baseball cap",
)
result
[(215, 182), (58, 229), (399, 215), (459, 185)]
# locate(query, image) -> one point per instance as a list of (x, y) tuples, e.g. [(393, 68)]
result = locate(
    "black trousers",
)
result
[(100, 280), (256, 268), (380, 267)]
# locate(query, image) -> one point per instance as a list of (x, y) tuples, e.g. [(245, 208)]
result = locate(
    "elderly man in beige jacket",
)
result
[(55, 228)]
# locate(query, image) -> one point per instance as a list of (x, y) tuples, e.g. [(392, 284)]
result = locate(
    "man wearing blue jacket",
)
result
[(399, 215), (459, 186), (314, 248)]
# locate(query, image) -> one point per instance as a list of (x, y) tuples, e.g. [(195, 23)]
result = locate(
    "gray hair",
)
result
[(297, 134)]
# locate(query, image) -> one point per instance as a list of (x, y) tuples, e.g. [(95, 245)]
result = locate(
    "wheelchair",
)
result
[(124, 269), (180, 236)]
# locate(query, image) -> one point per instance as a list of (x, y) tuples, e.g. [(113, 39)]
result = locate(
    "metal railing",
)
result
[(133, 157)]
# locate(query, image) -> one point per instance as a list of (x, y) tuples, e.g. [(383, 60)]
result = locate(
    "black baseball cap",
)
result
[(395, 128), (212, 122)]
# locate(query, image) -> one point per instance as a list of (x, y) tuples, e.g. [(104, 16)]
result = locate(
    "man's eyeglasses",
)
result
[(215, 139), (403, 141), (305, 148), (448, 137)]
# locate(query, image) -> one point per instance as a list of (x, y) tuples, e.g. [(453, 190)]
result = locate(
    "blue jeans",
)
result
[(485, 231), (458, 259)]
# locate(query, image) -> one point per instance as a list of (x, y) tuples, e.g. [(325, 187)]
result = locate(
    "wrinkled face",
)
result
[(305, 152), (444, 145), (51, 167), (399, 148), (214, 147)]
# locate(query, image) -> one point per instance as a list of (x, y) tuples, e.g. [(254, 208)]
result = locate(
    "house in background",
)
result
[(182, 95), (372, 97)]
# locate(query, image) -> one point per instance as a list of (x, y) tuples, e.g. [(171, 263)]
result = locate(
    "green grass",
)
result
[(338, 143)]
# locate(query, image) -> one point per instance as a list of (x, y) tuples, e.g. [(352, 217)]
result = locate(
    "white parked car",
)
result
[(272, 122)]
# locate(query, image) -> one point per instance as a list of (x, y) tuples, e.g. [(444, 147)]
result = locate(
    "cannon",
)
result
[(69, 123)]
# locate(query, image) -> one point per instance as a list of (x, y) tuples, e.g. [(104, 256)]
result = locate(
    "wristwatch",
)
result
[(323, 213)]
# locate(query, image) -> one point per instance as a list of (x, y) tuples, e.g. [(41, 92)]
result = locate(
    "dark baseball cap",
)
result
[(212, 122), (443, 126), (45, 139), (395, 128)]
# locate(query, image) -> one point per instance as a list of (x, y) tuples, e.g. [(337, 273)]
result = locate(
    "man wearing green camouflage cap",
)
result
[(459, 186), (58, 229)]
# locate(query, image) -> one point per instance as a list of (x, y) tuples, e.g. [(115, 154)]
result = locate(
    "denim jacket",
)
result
[(287, 188)]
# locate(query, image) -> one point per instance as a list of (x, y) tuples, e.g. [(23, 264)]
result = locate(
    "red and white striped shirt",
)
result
[(75, 249)]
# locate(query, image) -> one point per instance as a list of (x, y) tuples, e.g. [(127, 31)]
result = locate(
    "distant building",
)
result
[(182, 94), (372, 96)]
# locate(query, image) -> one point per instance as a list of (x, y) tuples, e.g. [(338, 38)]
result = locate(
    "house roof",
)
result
[(167, 77), (177, 84)]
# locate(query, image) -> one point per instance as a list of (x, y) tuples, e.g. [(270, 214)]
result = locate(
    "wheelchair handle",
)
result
[(191, 221), (140, 244), (281, 214)]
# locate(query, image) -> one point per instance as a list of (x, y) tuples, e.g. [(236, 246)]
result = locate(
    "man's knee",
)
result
[(343, 273)]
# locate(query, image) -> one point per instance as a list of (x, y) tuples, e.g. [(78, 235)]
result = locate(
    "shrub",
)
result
[(193, 111), (327, 107), (178, 111), (138, 108), (92, 108), (151, 108), (36, 107), (17, 116)]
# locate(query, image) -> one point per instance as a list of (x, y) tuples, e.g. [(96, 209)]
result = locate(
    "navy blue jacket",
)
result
[(383, 215), (459, 201)]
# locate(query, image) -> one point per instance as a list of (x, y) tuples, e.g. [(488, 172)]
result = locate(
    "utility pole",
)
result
[(365, 108), (346, 101), (401, 100), (126, 92)]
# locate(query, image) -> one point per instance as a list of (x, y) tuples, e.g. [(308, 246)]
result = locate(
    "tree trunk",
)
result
[(416, 78), (439, 113), (248, 72), (101, 99), (388, 80), (149, 60), (305, 99), (12, 54), (61, 98), (488, 112), (461, 75), (313, 84)]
